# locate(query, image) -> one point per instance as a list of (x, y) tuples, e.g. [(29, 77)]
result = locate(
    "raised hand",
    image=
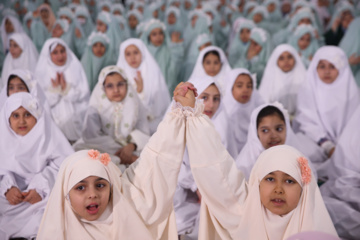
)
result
[(139, 82), (185, 94), (62, 81)]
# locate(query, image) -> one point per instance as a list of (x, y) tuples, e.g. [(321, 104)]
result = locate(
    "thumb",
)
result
[(179, 98)]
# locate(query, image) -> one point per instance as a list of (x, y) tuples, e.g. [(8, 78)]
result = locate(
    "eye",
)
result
[(100, 185), (290, 181), (216, 99), (109, 86), (80, 188), (270, 179), (279, 129), (204, 97), (265, 130), (22, 87), (27, 114)]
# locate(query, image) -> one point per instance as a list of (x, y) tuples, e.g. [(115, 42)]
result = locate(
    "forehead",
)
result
[(131, 47), (114, 77), (273, 119), (58, 47), (243, 78), (211, 90)]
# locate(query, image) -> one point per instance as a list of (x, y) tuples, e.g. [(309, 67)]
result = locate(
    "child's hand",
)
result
[(185, 94), (62, 81), (14, 196), (56, 82), (253, 51), (126, 154), (139, 82), (199, 195), (353, 59), (176, 37), (31, 196), (77, 33)]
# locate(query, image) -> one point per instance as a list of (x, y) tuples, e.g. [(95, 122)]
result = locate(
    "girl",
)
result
[(136, 205), (63, 30), (33, 149), (212, 63), (117, 122), (64, 82), (269, 126), (173, 20), (134, 17), (168, 53), (145, 76), (319, 116), (283, 75), (20, 80), (83, 27), (304, 41), (240, 99), (10, 24), (257, 54), (97, 56), (22, 54)]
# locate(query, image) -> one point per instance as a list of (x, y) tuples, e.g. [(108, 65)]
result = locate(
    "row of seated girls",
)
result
[(193, 168)]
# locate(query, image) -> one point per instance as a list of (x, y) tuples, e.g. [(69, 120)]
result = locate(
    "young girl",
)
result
[(240, 99), (134, 17), (145, 76), (62, 29), (283, 75), (33, 149), (93, 199), (115, 121), (327, 99), (10, 24), (168, 53), (64, 82), (97, 55), (22, 54), (212, 63)]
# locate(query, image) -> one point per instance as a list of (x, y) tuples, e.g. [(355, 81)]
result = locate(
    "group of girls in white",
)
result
[(179, 119)]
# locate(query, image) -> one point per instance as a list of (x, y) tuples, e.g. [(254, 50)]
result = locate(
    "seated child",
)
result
[(93, 199), (115, 120), (33, 149)]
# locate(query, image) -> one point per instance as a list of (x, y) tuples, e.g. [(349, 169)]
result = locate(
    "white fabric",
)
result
[(324, 109), (237, 115), (67, 108), (29, 162), (141, 196), (27, 77), (155, 95), (279, 86), (109, 126), (253, 147), (199, 72), (4, 35), (27, 59), (231, 208)]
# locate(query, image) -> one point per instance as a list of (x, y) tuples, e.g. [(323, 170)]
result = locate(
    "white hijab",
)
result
[(277, 85), (4, 35), (324, 109), (27, 59), (28, 155), (155, 95), (237, 114), (199, 71)]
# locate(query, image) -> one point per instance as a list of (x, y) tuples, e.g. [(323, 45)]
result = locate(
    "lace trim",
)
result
[(186, 111)]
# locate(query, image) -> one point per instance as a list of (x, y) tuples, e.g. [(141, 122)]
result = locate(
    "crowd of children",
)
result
[(179, 119)]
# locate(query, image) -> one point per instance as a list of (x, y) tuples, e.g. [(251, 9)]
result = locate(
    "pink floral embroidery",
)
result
[(94, 154), (105, 159), (305, 170)]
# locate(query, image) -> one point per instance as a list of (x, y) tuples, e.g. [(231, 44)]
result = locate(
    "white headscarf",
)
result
[(237, 114), (27, 59), (199, 72), (324, 109), (155, 95), (4, 35), (280, 86), (67, 109)]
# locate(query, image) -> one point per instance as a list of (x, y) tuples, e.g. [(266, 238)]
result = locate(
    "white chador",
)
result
[(27, 59), (29, 162), (109, 126), (141, 201), (155, 95), (68, 106)]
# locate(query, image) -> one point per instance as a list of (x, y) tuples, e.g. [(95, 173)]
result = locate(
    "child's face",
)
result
[(21, 121), (155, 14), (211, 96), (304, 41), (171, 19), (271, 7), (242, 88), (105, 8), (90, 197), (28, 23), (98, 49), (306, 21), (115, 88), (58, 55), (57, 31), (245, 35), (286, 61), (271, 131), (117, 12), (346, 19), (15, 49), (16, 85), (257, 18), (133, 22), (101, 26), (156, 37), (133, 56), (279, 192), (327, 71), (66, 18), (212, 65), (9, 27)]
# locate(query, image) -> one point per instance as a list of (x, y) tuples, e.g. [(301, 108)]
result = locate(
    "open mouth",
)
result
[(278, 201), (23, 128), (209, 113), (92, 208), (274, 143)]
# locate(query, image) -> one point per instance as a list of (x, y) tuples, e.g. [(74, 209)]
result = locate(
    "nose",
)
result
[(22, 119), (92, 193), (279, 189)]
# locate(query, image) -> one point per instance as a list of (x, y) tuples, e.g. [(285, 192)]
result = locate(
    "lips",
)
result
[(209, 113), (278, 201), (274, 143), (23, 128), (92, 208)]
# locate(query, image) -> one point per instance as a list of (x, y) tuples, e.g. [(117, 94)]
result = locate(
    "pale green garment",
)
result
[(139, 17), (92, 64), (67, 36), (169, 55), (178, 26), (85, 28)]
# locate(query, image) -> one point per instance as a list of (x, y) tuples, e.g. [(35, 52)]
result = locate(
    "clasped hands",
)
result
[(185, 97)]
